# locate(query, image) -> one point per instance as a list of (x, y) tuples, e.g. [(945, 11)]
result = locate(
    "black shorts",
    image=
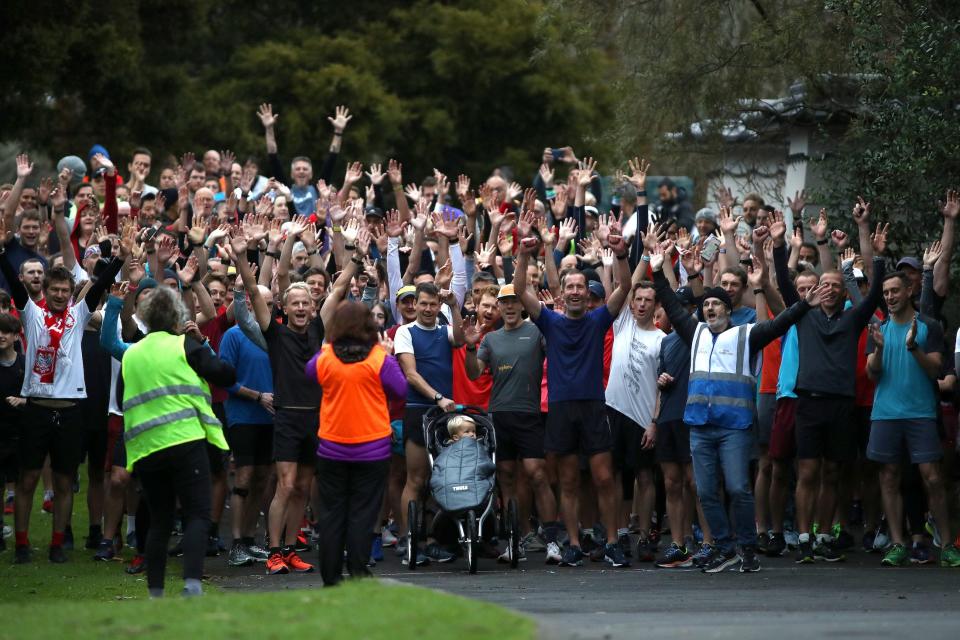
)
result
[(9, 464), (826, 428), (862, 418), (295, 435), (673, 442), (628, 454), (578, 426), (54, 432), (95, 432), (217, 457), (413, 424), (519, 435), (251, 444)]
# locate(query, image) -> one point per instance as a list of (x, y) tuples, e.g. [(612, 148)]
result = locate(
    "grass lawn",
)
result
[(365, 609)]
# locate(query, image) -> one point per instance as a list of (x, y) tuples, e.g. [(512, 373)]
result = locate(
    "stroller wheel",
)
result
[(473, 541), (513, 532), (413, 531)]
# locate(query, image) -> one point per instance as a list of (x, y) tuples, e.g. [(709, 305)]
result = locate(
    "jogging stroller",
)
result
[(463, 484)]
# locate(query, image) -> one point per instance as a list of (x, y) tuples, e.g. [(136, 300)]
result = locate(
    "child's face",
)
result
[(465, 430), (7, 340)]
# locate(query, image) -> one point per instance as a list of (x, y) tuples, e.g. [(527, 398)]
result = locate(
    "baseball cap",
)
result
[(506, 291), (408, 290), (911, 262), (373, 211), (596, 289)]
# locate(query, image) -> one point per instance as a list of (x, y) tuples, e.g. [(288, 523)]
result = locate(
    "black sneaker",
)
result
[(805, 553), (213, 546), (598, 553), (613, 555), (68, 538), (94, 538), (867, 543), (722, 561), (625, 544), (749, 562), (776, 545), (825, 551), (588, 544), (646, 551), (57, 555), (844, 541), (572, 557), (21, 554), (763, 541)]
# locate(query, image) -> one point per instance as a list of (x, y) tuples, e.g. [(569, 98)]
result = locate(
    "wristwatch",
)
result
[(437, 397)]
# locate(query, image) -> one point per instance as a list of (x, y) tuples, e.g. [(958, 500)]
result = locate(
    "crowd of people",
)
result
[(268, 338)]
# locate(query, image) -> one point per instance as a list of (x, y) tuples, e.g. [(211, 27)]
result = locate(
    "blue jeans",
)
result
[(717, 450)]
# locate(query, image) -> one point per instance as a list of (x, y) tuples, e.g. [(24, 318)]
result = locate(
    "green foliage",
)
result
[(460, 86), (902, 154)]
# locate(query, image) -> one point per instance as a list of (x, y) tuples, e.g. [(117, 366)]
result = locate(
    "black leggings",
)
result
[(351, 494), (179, 472)]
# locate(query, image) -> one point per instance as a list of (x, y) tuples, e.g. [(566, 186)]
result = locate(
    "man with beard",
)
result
[(674, 204)]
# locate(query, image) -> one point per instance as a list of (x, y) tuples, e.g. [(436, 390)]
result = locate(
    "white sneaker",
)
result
[(553, 553), (7, 531), (389, 539), (881, 541)]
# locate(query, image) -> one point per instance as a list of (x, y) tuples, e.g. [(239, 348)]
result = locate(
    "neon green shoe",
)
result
[(896, 556), (816, 530), (950, 556), (835, 530)]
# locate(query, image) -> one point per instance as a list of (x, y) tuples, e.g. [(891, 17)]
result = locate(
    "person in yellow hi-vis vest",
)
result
[(167, 421)]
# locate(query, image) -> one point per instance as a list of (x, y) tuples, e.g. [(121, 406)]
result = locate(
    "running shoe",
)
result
[(749, 562), (704, 555), (805, 553), (646, 551), (919, 554), (437, 554), (896, 556), (295, 563), (598, 553), (950, 556), (931, 527), (132, 539), (257, 552), (824, 550), (587, 541), (21, 554), (624, 541), (532, 542), (776, 545), (422, 559), (276, 565), (553, 553), (507, 555), (674, 557), (613, 555), (137, 565), (654, 537), (376, 548), (93, 539), (7, 531), (389, 540), (213, 546), (792, 538), (57, 555), (572, 557), (105, 551), (68, 538), (238, 556), (843, 541), (763, 540), (881, 541), (722, 561), (302, 545), (868, 538)]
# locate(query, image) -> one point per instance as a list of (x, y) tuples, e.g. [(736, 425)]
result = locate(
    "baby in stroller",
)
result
[(463, 472)]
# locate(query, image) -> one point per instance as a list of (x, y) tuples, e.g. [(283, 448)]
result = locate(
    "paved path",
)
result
[(854, 599)]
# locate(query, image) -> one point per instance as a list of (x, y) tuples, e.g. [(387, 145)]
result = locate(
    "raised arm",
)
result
[(941, 271), (24, 169), (620, 253), (528, 246), (864, 311), (342, 284), (236, 249)]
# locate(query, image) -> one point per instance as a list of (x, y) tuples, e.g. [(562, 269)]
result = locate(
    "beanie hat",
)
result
[(719, 294), (145, 283)]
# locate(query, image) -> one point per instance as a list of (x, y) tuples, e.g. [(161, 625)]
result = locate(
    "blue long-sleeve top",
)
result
[(253, 372), (110, 339)]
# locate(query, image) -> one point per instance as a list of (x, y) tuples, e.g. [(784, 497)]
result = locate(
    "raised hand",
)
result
[(227, 159), (444, 275), (861, 212), (777, 227), (267, 117), (932, 254), (951, 208), (513, 190), (848, 255), (724, 197), (656, 259), (189, 270), (546, 174), (353, 174), (796, 241), (727, 221), (819, 226), (394, 227), (559, 204), (24, 166), (798, 203), (198, 231), (566, 233), (395, 172), (760, 234), (879, 238), (876, 334), (375, 174), (485, 256), (815, 296), (472, 332), (120, 289), (340, 119), (840, 239), (638, 173), (413, 192), (187, 162), (912, 334), (446, 224)]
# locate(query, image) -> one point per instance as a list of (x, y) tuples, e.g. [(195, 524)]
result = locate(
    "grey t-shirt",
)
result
[(515, 359)]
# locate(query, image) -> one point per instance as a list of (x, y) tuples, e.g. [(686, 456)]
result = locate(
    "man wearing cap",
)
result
[(576, 420), (720, 405)]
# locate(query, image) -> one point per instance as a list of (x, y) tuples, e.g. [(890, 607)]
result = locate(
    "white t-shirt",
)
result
[(66, 366), (632, 386), (403, 341)]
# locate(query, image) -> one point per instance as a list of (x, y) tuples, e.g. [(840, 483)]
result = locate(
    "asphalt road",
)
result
[(857, 598)]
